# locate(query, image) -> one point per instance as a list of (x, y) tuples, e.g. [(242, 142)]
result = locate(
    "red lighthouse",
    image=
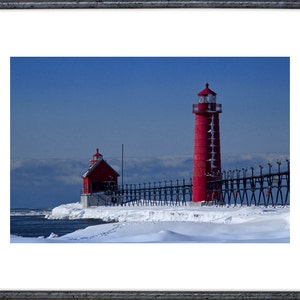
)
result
[(100, 179), (207, 156)]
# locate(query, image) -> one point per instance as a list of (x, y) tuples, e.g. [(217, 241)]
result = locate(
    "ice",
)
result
[(28, 212), (173, 224)]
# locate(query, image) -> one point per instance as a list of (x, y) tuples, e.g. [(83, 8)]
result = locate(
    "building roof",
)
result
[(207, 91), (94, 166)]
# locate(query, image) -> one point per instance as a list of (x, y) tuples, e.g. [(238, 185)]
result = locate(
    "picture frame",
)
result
[(7, 294), (42, 4), (145, 295)]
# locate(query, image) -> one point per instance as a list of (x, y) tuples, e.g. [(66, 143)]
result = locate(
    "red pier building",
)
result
[(207, 153), (100, 178)]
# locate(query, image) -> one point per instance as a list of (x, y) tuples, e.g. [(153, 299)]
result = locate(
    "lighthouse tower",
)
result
[(207, 156)]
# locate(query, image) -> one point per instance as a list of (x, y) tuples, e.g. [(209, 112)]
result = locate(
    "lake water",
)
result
[(32, 223)]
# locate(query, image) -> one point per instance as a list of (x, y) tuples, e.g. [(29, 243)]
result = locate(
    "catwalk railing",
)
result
[(173, 192), (239, 186)]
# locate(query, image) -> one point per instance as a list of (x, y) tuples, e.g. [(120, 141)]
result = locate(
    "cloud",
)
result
[(41, 171), (50, 182), (140, 170), (248, 160), (45, 183)]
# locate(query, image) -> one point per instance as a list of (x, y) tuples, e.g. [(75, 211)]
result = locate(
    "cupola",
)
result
[(207, 95), (97, 156)]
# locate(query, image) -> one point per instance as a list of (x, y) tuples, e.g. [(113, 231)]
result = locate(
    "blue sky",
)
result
[(63, 108)]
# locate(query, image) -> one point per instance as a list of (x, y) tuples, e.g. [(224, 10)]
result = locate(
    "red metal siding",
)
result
[(200, 158), (207, 153), (101, 177), (86, 185)]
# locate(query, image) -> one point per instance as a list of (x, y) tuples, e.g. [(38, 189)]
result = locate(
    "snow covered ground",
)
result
[(179, 224)]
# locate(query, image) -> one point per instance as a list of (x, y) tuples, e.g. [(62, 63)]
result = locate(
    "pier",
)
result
[(243, 186)]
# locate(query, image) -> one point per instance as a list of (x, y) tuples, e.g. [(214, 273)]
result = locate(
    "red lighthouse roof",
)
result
[(207, 91), (97, 153)]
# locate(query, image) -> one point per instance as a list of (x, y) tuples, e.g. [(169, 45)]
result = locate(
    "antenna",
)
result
[(122, 164)]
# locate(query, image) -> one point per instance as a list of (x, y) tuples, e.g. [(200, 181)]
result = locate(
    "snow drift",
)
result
[(181, 224)]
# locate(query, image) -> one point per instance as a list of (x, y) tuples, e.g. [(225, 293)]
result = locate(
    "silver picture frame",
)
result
[(44, 4), (103, 4)]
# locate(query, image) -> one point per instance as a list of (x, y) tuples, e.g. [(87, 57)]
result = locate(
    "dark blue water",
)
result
[(32, 223)]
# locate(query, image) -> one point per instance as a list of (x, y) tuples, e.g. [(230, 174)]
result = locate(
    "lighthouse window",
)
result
[(201, 99), (208, 99)]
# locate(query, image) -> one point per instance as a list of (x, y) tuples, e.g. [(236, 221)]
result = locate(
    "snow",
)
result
[(173, 224)]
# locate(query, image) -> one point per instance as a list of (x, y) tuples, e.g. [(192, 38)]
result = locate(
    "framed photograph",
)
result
[(140, 270)]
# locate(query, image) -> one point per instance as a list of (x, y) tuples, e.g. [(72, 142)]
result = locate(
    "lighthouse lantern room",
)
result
[(207, 155)]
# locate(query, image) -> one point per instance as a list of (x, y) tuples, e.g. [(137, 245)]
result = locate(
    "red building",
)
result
[(100, 176), (207, 153)]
